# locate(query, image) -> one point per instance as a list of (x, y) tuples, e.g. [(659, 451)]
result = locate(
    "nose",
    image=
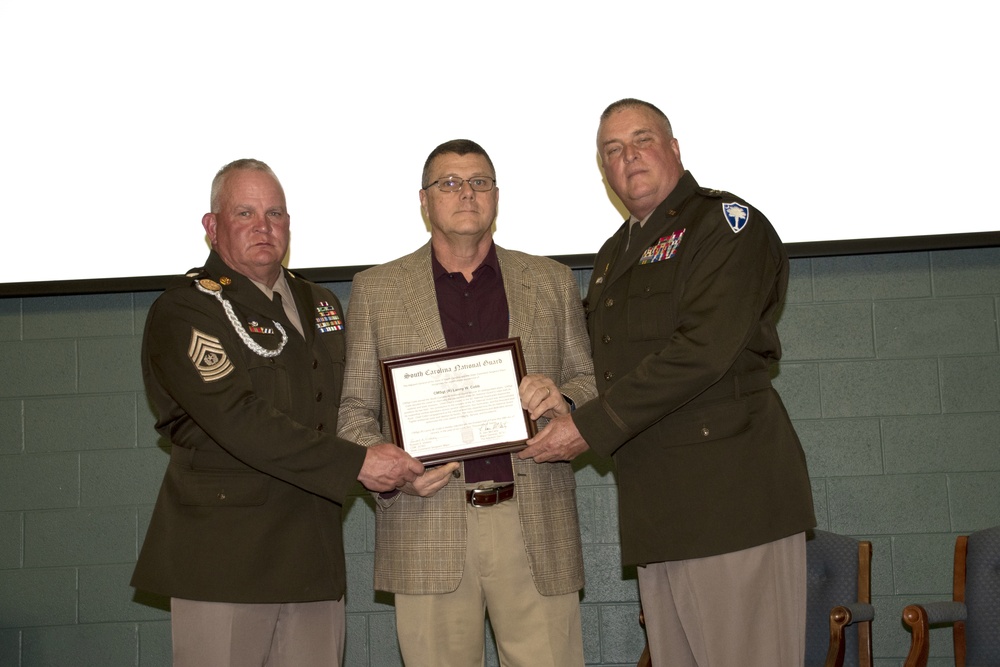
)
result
[(631, 154), (466, 191), (262, 225)]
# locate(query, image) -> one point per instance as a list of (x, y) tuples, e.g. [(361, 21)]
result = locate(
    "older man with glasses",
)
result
[(490, 533)]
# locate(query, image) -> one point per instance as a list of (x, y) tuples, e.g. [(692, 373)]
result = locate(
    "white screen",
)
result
[(838, 121)]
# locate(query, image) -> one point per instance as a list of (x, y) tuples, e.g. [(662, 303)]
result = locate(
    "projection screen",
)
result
[(840, 121)]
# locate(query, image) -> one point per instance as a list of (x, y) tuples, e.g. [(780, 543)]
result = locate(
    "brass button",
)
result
[(705, 431), (648, 289), (319, 427), (609, 302), (605, 338), (608, 375), (319, 396), (221, 495), (315, 363)]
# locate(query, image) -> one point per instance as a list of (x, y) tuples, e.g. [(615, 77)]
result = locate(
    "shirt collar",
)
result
[(490, 261)]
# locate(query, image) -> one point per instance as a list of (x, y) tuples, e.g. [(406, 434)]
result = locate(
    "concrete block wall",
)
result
[(891, 374)]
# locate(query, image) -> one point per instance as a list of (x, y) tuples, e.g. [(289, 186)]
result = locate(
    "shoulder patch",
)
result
[(208, 356), (737, 216)]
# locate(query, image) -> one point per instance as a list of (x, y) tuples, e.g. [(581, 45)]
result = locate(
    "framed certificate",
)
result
[(457, 403)]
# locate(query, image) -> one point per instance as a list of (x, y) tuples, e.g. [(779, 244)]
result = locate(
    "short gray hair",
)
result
[(243, 164), (630, 103)]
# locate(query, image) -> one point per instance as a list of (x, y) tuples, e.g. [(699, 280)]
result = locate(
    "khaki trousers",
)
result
[(224, 634), (741, 609), (531, 630)]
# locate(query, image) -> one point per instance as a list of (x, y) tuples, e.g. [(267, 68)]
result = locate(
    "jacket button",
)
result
[(456, 473), (221, 495), (319, 427), (315, 363), (319, 396), (609, 302), (608, 375), (605, 338), (704, 431), (648, 289)]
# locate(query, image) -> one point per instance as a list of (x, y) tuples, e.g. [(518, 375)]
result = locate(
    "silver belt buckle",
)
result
[(480, 493)]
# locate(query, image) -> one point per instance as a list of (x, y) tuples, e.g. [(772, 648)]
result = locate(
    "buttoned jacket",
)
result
[(420, 542), (250, 506), (683, 329)]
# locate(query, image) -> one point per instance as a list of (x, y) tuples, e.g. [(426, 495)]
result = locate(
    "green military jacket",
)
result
[(250, 506), (682, 327)]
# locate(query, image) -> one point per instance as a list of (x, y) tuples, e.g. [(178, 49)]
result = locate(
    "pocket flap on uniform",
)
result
[(705, 424), (212, 489)]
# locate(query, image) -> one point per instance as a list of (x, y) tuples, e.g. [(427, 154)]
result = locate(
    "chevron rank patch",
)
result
[(737, 216), (209, 357)]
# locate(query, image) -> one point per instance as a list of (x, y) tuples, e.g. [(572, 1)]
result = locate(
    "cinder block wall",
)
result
[(891, 374)]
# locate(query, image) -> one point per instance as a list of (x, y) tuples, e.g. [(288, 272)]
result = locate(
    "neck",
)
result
[(462, 254)]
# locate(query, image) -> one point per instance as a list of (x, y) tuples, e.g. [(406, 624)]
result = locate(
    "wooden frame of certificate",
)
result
[(457, 403)]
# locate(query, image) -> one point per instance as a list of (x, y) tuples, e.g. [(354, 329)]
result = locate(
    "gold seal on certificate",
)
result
[(457, 403)]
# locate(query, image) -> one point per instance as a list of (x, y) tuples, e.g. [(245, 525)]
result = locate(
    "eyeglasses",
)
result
[(453, 184)]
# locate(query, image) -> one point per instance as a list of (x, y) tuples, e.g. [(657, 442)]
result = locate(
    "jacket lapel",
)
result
[(517, 283), (420, 299)]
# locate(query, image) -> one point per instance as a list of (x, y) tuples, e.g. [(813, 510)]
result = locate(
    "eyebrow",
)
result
[(635, 133)]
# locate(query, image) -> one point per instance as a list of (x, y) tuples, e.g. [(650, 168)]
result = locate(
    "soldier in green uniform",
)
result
[(714, 495), (243, 362)]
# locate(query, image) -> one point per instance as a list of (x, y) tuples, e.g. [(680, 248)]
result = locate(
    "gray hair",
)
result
[(631, 103), (243, 164), (458, 147)]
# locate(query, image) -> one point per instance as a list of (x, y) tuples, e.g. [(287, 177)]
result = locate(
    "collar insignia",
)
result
[(737, 216)]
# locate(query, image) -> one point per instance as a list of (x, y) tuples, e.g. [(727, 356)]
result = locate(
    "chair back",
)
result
[(982, 598), (831, 580)]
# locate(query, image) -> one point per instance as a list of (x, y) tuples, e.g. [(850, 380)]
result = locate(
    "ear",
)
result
[(209, 222), (676, 148), (423, 200)]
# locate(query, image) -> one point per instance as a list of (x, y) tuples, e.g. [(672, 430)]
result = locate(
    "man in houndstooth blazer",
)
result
[(444, 558)]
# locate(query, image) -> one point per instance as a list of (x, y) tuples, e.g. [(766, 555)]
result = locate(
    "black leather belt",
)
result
[(490, 496)]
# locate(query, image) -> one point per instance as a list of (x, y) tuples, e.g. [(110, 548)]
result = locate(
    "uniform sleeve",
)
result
[(724, 291), (199, 380), (362, 397), (576, 380)]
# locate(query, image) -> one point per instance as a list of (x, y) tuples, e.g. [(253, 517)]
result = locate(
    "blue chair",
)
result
[(839, 613), (973, 613)]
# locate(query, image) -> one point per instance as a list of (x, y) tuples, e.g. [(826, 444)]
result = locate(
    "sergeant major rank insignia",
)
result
[(327, 318), (737, 216), (209, 357)]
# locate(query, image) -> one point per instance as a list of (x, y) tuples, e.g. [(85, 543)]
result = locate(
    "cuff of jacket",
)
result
[(598, 425)]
